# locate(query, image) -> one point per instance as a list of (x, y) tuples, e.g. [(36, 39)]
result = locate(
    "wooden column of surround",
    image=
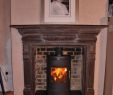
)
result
[(59, 35)]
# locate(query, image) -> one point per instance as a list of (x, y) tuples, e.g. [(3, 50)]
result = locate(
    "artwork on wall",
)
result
[(59, 11)]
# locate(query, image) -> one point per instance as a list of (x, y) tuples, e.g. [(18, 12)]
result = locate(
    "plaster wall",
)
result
[(30, 12), (5, 44), (17, 61), (100, 62), (93, 12), (109, 66), (2, 33)]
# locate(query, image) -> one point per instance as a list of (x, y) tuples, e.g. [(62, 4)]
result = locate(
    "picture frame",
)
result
[(60, 11)]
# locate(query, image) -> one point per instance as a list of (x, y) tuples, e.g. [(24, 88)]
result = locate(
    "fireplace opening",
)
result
[(57, 70)]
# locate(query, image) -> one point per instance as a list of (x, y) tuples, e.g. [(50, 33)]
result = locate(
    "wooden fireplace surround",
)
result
[(59, 35)]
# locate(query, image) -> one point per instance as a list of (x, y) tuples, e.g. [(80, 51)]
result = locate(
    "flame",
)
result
[(59, 73)]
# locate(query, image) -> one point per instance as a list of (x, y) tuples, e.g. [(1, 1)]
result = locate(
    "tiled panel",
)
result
[(41, 65)]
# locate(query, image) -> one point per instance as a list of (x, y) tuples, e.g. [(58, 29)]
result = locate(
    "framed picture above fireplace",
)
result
[(60, 11)]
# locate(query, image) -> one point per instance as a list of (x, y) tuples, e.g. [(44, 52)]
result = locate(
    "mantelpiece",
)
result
[(64, 36)]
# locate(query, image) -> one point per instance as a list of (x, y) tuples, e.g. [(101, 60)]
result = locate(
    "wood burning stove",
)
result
[(58, 74)]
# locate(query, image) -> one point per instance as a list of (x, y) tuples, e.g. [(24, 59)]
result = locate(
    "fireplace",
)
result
[(59, 59)]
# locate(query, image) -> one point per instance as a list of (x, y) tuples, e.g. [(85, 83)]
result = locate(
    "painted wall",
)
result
[(5, 44), (29, 12), (109, 65), (92, 11), (25, 11), (2, 33), (17, 61), (100, 62)]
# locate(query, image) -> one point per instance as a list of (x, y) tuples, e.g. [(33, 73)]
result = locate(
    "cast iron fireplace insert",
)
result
[(36, 37), (58, 70)]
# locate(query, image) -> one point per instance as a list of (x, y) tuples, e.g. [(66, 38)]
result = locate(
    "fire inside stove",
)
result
[(58, 74)]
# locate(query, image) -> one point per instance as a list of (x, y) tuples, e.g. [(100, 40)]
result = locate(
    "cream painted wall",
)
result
[(93, 11), (17, 61), (2, 33), (100, 62), (25, 11), (109, 63), (30, 12), (5, 44)]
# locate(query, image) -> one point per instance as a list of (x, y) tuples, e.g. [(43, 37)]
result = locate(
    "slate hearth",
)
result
[(76, 41)]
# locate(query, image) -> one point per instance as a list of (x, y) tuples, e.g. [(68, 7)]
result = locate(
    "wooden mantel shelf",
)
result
[(60, 32), (52, 28), (78, 27)]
